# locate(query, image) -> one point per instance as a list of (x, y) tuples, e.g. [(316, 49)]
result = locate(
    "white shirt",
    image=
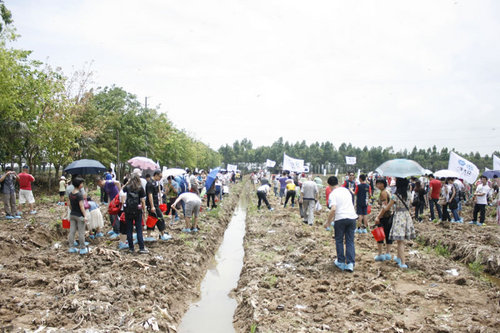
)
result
[(188, 197), (482, 200), (263, 188), (341, 200)]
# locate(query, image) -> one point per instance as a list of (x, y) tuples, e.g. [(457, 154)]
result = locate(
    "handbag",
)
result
[(86, 204)]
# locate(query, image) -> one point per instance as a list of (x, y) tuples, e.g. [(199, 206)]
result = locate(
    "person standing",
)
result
[(343, 214), (135, 212), (481, 196), (282, 181), (290, 192), (211, 196), (62, 190), (308, 198), (350, 184), (402, 224), (77, 217), (153, 204), (25, 192), (434, 192), (384, 220), (8, 180), (363, 192), (418, 200)]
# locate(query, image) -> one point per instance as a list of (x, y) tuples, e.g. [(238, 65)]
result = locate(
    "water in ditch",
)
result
[(215, 309)]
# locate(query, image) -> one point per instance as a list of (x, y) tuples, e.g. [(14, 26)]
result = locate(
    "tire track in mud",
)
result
[(45, 287), (289, 284)]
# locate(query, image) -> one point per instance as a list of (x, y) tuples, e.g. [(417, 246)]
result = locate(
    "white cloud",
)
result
[(368, 72)]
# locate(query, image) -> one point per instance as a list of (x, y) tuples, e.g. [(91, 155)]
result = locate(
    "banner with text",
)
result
[(467, 170), (270, 163), (351, 160), (292, 164), (232, 167), (496, 163)]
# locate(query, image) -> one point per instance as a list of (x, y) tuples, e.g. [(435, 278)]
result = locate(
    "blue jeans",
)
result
[(132, 219), (433, 202), (345, 228)]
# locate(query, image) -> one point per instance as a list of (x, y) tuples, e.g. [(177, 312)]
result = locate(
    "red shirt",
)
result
[(328, 191), (435, 188), (25, 180)]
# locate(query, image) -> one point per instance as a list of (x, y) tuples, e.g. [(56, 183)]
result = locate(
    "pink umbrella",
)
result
[(143, 163)]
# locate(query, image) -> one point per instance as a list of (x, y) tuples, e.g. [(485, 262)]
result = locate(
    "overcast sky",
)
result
[(398, 73)]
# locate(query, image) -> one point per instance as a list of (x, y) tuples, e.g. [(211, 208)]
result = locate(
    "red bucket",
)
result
[(379, 234), (369, 209), (65, 224), (151, 221), (163, 207)]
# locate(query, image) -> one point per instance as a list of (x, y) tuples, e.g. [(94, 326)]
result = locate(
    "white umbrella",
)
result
[(173, 172), (445, 173), (400, 168), (427, 172)]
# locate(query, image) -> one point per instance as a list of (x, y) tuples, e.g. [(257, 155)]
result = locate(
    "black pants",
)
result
[(104, 196), (386, 223), (290, 194), (161, 222), (212, 196), (481, 209), (132, 219), (432, 203), (419, 209), (263, 197), (446, 215)]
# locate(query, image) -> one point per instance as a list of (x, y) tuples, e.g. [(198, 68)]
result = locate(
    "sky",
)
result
[(372, 73)]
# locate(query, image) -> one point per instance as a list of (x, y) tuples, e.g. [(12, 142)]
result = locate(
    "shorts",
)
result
[(192, 208), (62, 193), (362, 210), (26, 196), (282, 192)]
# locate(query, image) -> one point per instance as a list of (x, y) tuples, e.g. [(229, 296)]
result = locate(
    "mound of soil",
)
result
[(289, 283), (43, 286)]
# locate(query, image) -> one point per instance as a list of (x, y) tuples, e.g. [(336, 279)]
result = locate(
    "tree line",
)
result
[(326, 155), (49, 118)]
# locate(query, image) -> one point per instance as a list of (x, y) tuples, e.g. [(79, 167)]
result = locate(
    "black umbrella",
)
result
[(85, 167)]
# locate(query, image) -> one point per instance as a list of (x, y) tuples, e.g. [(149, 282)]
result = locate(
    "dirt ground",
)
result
[(43, 287), (289, 283)]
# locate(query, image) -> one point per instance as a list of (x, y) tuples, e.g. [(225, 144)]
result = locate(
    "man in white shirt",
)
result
[(343, 213), (262, 192), (481, 195)]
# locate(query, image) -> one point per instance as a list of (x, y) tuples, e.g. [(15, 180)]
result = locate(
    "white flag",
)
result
[(350, 160), (112, 166), (496, 163), (270, 163), (467, 170), (292, 164), (232, 167), (336, 172)]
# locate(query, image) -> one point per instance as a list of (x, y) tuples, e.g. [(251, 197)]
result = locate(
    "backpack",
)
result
[(183, 185), (416, 199), (115, 206), (132, 203)]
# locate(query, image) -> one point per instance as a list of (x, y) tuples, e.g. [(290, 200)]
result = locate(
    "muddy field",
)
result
[(43, 286), (289, 283)]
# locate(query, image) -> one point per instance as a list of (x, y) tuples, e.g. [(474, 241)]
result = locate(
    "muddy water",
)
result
[(214, 311)]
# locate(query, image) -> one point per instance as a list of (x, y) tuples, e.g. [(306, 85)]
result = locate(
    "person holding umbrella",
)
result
[(402, 224)]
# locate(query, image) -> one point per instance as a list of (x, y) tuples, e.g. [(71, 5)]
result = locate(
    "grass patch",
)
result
[(476, 268), (214, 212), (253, 328), (271, 280), (266, 256), (442, 250)]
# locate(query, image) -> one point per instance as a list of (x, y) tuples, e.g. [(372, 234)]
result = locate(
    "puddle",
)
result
[(215, 309), (493, 279)]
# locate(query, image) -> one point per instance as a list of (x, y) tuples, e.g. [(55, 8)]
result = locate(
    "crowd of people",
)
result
[(401, 201)]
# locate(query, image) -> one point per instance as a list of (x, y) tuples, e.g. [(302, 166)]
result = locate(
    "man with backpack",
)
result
[(153, 204)]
